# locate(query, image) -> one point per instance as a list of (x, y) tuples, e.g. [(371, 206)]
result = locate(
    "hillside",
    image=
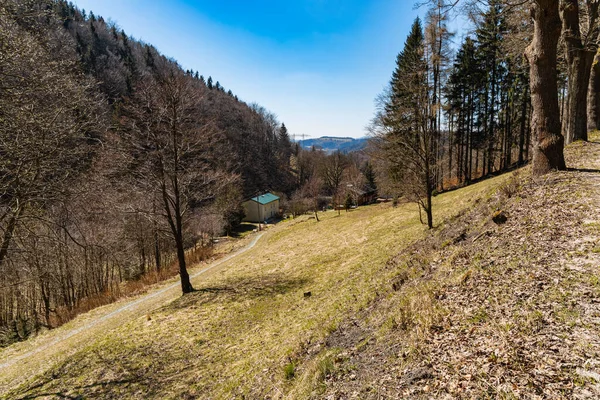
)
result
[(248, 330), (470, 309), (109, 149), (486, 310), (332, 144)]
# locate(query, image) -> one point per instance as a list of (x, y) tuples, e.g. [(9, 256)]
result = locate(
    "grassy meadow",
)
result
[(249, 331)]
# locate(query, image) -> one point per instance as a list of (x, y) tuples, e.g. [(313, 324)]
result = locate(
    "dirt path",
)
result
[(32, 356)]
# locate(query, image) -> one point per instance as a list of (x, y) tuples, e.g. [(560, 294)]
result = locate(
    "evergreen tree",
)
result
[(408, 142), (489, 36), (369, 174), (209, 83)]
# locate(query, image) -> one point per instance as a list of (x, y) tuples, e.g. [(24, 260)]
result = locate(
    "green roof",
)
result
[(265, 198)]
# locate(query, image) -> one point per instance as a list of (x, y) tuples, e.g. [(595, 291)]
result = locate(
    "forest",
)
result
[(518, 86)]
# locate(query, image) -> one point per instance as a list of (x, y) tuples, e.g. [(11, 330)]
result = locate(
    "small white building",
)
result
[(261, 208)]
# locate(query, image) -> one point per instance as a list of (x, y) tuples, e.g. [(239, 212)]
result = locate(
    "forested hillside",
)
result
[(111, 159), (116, 163)]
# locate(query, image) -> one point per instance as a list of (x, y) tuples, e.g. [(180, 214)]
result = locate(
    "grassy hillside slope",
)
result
[(249, 331), (485, 310)]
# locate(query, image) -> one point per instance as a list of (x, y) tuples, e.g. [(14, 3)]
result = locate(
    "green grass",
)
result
[(249, 331)]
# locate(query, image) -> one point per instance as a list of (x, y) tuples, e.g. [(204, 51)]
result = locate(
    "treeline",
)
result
[(451, 115), (114, 163), (335, 180)]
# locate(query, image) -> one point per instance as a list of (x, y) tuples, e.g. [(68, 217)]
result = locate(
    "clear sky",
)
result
[(316, 64)]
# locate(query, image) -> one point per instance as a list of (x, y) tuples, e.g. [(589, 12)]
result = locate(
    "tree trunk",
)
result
[(545, 122), (429, 211), (579, 63), (492, 111), (593, 100), (186, 286), (8, 233), (523, 127), (156, 249)]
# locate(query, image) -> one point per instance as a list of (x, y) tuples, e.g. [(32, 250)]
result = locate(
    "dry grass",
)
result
[(249, 331), (481, 310)]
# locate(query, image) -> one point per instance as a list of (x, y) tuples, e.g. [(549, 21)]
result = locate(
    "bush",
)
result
[(290, 370)]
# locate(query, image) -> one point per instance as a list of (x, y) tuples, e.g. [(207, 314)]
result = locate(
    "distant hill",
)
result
[(331, 144)]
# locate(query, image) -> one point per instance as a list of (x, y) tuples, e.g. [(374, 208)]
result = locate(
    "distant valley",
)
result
[(332, 144)]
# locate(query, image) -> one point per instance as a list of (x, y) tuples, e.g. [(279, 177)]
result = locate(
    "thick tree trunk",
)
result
[(545, 122), (593, 100), (174, 218), (579, 63), (579, 77), (186, 286)]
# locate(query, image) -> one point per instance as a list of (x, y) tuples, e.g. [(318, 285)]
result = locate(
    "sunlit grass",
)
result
[(249, 330)]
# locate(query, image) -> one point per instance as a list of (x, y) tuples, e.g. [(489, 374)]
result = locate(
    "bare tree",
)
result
[(312, 190), (48, 116), (168, 145)]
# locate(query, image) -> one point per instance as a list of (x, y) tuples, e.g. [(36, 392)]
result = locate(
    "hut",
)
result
[(261, 208)]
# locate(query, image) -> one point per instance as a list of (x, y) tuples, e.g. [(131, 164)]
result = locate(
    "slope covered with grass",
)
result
[(487, 310), (249, 330)]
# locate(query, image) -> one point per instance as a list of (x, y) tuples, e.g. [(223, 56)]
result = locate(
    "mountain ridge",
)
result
[(332, 144)]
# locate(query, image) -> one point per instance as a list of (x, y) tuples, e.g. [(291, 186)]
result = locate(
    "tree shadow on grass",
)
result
[(242, 228), (105, 385), (588, 170), (247, 287)]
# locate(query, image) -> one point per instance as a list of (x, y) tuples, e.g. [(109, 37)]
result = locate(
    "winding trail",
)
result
[(101, 322)]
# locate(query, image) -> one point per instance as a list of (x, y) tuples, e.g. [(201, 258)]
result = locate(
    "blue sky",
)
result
[(317, 64)]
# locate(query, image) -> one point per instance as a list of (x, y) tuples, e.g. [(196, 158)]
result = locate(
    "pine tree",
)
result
[(369, 174), (489, 36), (209, 83), (408, 141), (461, 90)]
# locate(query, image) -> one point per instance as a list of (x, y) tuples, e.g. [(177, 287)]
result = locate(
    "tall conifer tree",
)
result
[(409, 141)]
